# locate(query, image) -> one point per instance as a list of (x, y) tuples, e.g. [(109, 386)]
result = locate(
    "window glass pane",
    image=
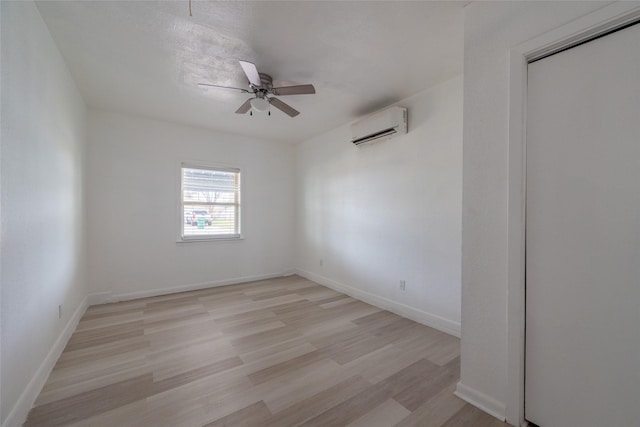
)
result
[(224, 220), (210, 186)]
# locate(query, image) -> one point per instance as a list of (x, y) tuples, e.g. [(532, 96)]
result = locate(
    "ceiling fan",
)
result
[(261, 86)]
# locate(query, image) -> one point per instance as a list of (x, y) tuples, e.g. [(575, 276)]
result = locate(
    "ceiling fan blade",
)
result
[(244, 107), (252, 73), (207, 85), (294, 90), (287, 109)]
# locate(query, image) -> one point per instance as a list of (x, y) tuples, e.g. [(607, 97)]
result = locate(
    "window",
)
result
[(210, 202)]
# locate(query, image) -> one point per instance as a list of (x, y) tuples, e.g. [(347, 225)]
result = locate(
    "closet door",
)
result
[(583, 235)]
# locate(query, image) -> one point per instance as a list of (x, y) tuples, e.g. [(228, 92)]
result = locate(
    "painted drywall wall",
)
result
[(133, 216), (43, 133), (491, 29), (370, 216)]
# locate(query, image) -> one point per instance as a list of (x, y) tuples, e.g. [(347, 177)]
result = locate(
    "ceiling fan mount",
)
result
[(261, 86)]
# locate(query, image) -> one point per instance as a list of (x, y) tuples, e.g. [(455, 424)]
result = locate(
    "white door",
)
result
[(583, 235)]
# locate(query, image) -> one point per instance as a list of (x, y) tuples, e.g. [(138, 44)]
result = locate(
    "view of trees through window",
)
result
[(210, 202)]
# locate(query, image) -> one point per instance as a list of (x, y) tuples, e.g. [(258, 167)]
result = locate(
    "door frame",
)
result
[(600, 22)]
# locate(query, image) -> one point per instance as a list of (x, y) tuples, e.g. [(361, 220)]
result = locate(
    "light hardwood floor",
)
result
[(279, 352)]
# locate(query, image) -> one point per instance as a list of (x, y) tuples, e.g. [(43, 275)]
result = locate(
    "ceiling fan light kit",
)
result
[(261, 85), (259, 104)]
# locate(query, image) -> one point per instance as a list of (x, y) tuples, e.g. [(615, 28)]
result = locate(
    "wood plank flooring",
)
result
[(279, 352)]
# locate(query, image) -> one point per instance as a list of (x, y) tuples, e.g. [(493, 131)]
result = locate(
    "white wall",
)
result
[(390, 211), (42, 265), (491, 29), (133, 219)]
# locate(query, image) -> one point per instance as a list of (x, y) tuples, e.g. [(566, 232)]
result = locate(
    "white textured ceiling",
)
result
[(146, 57)]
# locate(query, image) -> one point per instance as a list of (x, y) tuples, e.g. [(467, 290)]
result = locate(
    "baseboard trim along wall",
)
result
[(482, 401), (18, 414), (96, 298), (423, 317)]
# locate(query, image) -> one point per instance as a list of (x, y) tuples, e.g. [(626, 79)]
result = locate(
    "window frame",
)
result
[(182, 238)]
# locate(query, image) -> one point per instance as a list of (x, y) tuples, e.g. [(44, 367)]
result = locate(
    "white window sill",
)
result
[(208, 240)]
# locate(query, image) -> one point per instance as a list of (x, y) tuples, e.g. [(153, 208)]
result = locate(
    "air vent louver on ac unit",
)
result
[(378, 126)]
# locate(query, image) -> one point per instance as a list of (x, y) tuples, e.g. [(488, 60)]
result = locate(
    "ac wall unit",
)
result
[(384, 124)]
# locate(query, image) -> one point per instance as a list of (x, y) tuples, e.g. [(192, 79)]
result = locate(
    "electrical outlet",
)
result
[(403, 285), (321, 262), (60, 312)]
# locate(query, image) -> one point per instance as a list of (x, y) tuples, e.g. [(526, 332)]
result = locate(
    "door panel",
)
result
[(583, 235)]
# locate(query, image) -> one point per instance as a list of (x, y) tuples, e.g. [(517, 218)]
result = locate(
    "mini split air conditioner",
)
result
[(384, 124)]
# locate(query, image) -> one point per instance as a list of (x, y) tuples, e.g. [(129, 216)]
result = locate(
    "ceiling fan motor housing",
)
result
[(267, 83)]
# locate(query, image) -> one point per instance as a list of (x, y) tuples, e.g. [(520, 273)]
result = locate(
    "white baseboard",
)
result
[(429, 319), (18, 414), (482, 401), (96, 298)]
